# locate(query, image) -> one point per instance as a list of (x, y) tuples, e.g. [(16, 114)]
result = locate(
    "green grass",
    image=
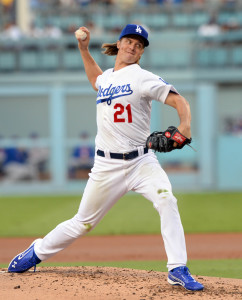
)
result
[(211, 212), (37, 215), (226, 268)]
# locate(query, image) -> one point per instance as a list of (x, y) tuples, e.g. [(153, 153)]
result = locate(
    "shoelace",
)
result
[(185, 274)]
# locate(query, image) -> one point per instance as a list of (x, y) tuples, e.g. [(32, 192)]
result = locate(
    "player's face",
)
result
[(130, 50)]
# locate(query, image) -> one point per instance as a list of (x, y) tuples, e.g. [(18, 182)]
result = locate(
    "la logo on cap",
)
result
[(138, 29), (134, 29)]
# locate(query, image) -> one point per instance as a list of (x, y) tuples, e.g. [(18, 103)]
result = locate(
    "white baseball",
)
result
[(80, 34)]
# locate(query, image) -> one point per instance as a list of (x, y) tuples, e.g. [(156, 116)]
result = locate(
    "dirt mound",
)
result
[(102, 283)]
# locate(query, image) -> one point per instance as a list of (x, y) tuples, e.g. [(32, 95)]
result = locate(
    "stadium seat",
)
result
[(225, 17), (109, 61), (181, 20), (198, 19), (49, 60), (71, 60), (152, 21), (212, 57), (29, 60), (98, 20), (113, 21), (67, 21), (170, 58), (99, 57), (159, 58), (55, 21), (179, 58), (158, 21), (239, 17), (236, 56), (8, 61), (189, 20), (202, 58), (145, 59), (39, 21)]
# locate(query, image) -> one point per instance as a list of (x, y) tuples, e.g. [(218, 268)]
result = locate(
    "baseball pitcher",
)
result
[(124, 159)]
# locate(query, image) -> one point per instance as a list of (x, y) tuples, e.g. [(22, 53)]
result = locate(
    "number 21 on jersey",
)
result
[(119, 115)]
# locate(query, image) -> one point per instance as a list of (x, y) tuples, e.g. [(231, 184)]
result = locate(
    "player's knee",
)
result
[(165, 195), (88, 227), (82, 227), (163, 199)]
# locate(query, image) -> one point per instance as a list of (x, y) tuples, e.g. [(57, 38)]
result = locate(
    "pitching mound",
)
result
[(102, 283)]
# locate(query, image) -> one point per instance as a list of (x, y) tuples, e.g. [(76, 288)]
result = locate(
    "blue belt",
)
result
[(125, 156)]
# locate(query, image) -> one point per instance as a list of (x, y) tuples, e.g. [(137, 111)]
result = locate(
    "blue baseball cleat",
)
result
[(182, 276), (24, 261)]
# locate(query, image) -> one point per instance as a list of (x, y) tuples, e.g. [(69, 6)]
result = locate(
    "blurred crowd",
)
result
[(213, 28), (46, 4), (233, 126), (75, 3), (10, 30), (13, 32), (18, 163), (81, 158)]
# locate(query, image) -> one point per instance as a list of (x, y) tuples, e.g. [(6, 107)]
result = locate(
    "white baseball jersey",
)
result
[(123, 119), (124, 107)]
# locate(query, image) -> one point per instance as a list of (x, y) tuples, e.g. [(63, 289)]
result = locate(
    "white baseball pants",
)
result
[(109, 180)]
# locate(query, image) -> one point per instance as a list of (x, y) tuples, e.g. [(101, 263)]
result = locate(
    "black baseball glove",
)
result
[(164, 141)]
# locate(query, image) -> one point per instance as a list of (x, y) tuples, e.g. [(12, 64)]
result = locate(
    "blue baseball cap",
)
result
[(135, 30)]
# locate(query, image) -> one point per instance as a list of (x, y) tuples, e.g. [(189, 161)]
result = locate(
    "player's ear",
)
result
[(118, 44)]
